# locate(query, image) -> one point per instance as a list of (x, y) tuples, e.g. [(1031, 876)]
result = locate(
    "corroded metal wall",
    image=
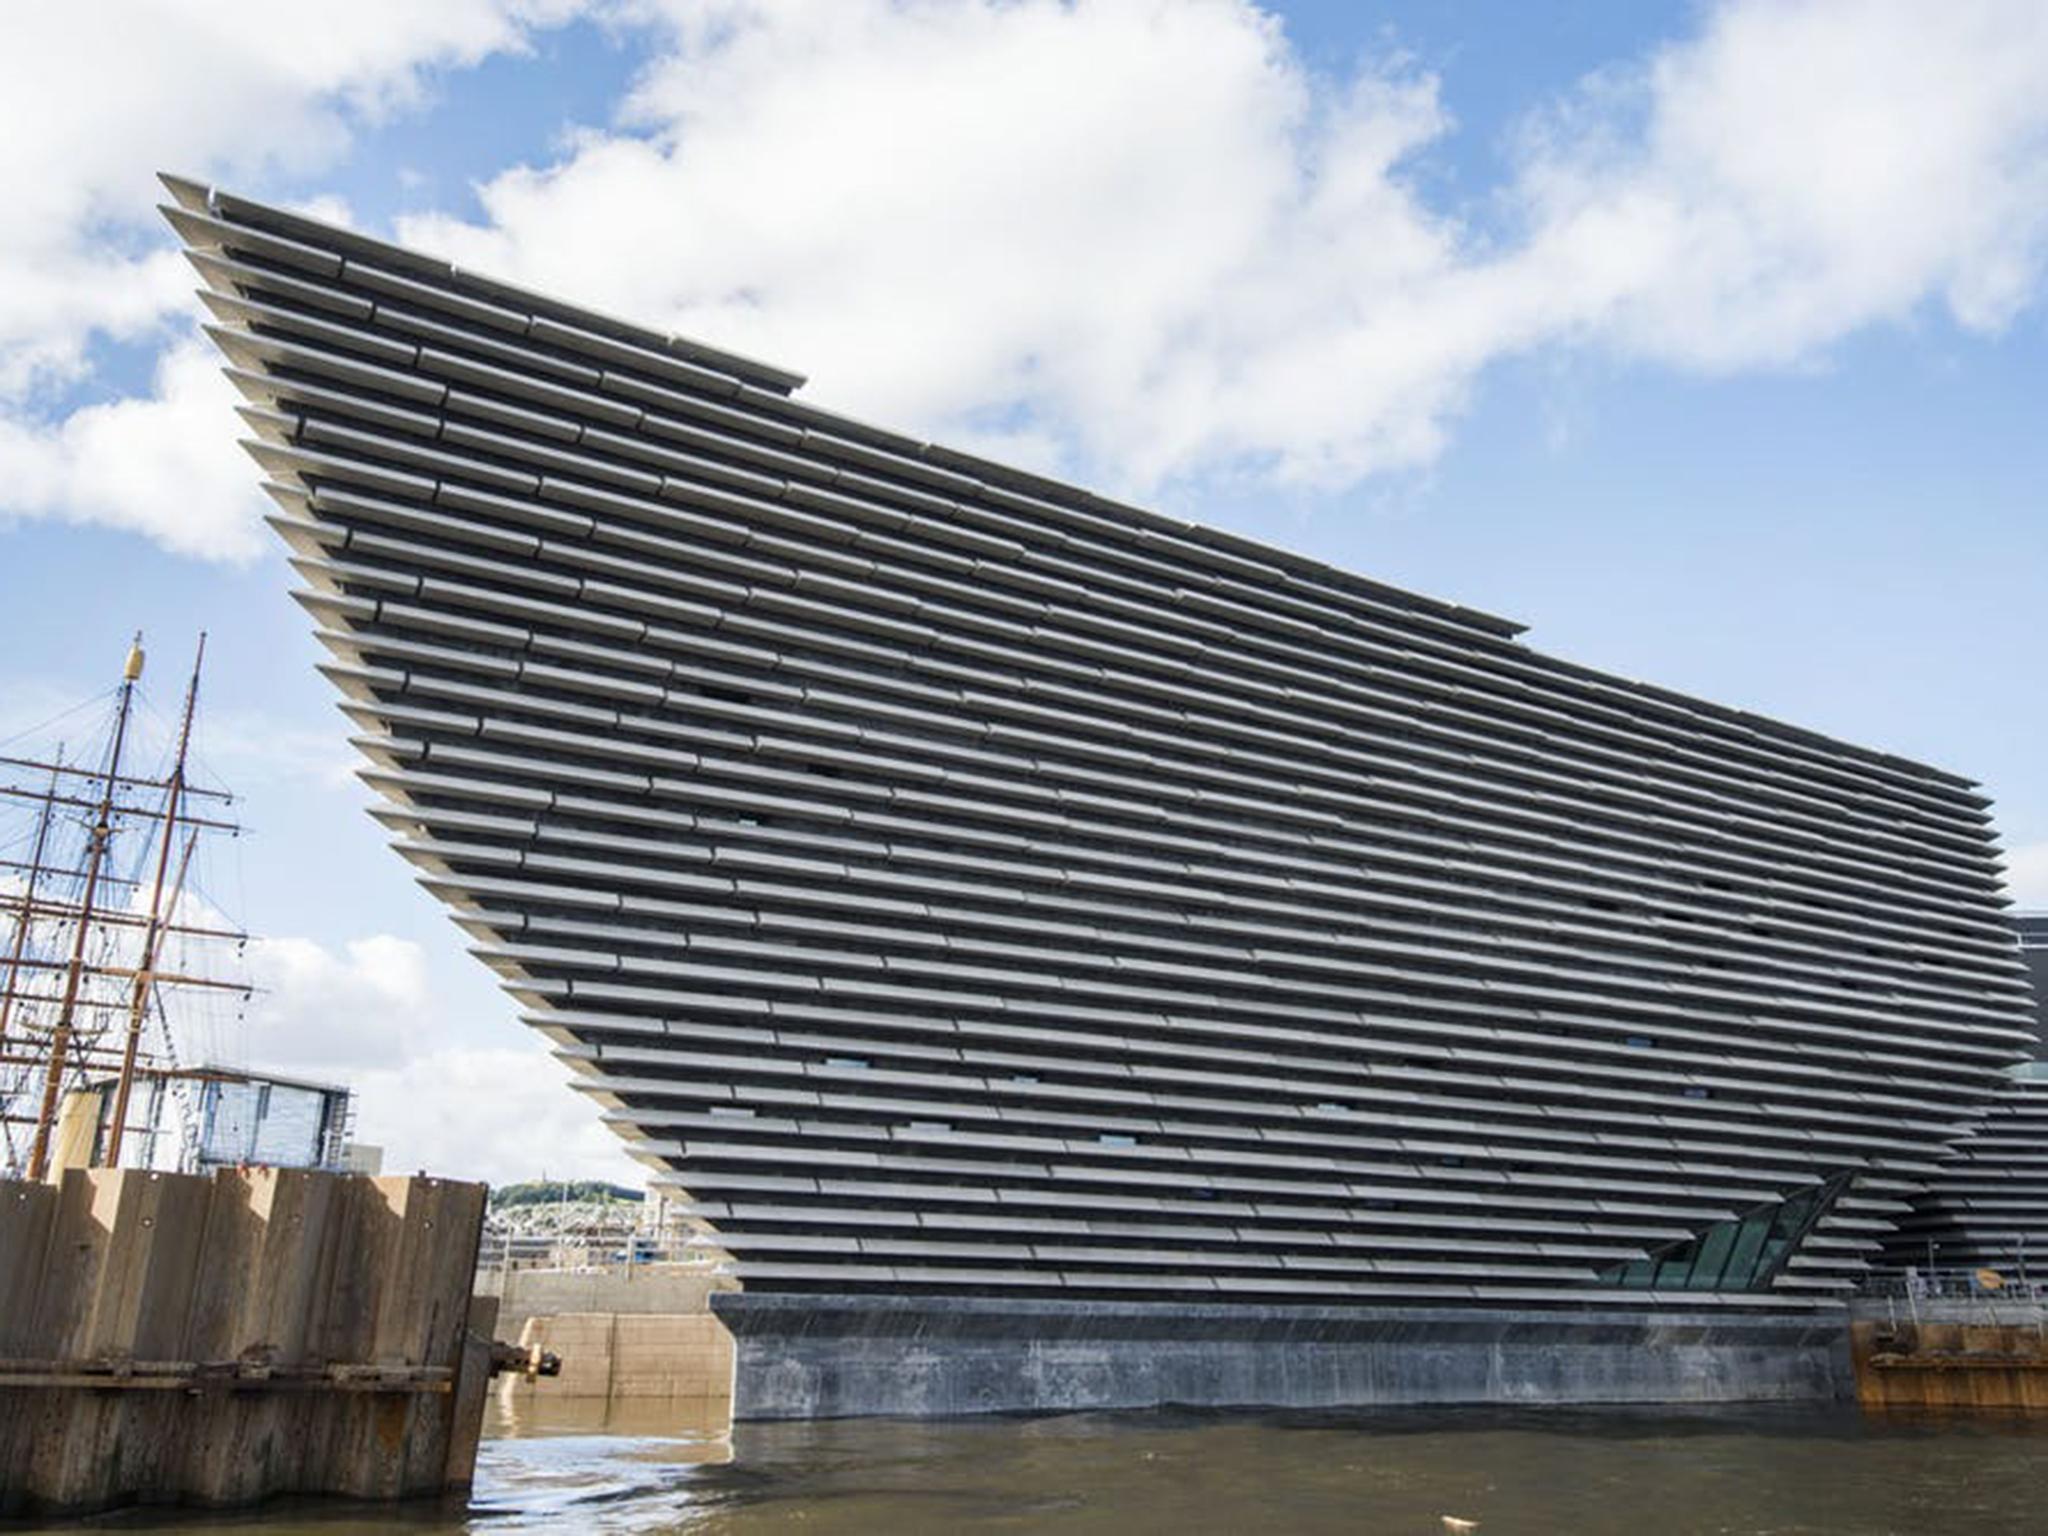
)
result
[(961, 883), (1981, 1355)]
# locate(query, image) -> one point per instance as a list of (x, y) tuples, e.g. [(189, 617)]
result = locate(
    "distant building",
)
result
[(213, 1117), (273, 1121)]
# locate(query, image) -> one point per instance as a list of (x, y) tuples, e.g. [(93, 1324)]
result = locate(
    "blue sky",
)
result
[(1789, 457)]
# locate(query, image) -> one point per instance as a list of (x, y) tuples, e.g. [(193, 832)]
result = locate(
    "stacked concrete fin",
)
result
[(958, 882), (1988, 1206)]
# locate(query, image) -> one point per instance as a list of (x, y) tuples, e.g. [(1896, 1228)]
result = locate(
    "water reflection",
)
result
[(1627, 1473), (1557, 1472), (692, 1422)]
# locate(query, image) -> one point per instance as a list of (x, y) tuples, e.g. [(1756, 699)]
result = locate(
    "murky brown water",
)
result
[(1550, 1472)]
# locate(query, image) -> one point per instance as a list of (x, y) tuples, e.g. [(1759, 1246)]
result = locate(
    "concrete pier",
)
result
[(624, 1333), (680, 1358), (640, 1290), (844, 1357), (216, 1339)]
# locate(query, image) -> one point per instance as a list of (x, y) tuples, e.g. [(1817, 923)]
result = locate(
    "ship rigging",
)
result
[(104, 940)]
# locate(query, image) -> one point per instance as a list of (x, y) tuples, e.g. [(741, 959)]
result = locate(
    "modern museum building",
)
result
[(1071, 957)]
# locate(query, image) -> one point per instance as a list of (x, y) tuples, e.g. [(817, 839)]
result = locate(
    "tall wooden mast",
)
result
[(102, 833), (25, 920), (145, 966), (24, 923), (87, 983)]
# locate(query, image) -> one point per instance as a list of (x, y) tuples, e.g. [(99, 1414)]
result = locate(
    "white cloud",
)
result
[(1138, 221), (1140, 231), (501, 1115), (370, 1016), (368, 1006), (1136, 239), (165, 465), (1798, 171), (2026, 875), (94, 98)]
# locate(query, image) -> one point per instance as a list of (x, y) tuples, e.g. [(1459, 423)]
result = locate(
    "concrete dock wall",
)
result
[(215, 1339), (830, 1357), (634, 1289), (685, 1359), (625, 1333)]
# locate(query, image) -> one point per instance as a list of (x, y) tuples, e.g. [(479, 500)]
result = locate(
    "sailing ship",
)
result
[(110, 956)]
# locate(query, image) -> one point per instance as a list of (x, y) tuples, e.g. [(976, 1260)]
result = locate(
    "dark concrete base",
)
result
[(803, 1357)]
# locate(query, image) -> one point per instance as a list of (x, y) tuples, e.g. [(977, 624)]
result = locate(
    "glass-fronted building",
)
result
[(972, 893), (217, 1117)]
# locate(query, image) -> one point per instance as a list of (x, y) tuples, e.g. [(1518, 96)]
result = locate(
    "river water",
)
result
[(1544, 1472)]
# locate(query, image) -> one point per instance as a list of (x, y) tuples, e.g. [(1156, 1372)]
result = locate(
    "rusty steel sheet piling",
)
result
[(1975, 1360), (214, 1339)]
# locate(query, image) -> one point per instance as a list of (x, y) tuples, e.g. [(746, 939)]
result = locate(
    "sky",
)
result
[(1706, 339)]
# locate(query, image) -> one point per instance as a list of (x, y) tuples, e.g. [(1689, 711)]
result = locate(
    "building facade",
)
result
[(1984, 1213), (2033, 931), (1016, 918)]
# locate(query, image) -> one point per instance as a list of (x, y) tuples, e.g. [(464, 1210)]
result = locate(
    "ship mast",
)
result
[(87, 975), (145, 967), (28, 903), (23, 924), (102, 833)]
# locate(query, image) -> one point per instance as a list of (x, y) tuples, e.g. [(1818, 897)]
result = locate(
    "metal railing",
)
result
[(502, 1251), (1966, 1296), (1960, 1284)]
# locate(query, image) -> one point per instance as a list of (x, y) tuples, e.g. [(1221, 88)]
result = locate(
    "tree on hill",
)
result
[(556, 1192)]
